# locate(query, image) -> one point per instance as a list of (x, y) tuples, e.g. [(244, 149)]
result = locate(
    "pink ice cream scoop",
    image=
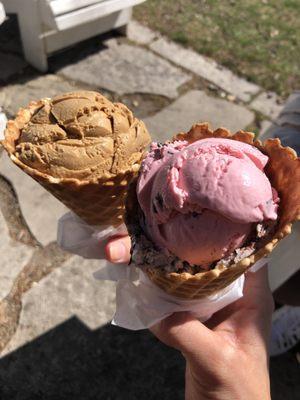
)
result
[(201, 200)]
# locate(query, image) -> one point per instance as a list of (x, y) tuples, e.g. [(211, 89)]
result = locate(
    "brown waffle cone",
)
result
[(283, 170), (98, 201)]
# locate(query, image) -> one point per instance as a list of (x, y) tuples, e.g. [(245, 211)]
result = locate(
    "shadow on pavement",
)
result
[(10, 43), (73, 362), (110, 363)]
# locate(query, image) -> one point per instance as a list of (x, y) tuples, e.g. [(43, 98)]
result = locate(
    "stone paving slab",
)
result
[(197, 106), (10, 65), (293, 103), (265, 125), (69, 291), (13, 97), (127, 69), (71, 362), (206, 68), (268, 104), (40, 209), (140, 34), (14, 257)]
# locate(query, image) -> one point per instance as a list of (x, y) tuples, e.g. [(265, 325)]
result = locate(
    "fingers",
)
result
[(249, 318), (257, 283), (257, 293), (258, 297), (187, 334), (118, 250)]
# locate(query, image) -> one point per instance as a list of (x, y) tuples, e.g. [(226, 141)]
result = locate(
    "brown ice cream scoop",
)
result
[(81, 135), (83, 149)]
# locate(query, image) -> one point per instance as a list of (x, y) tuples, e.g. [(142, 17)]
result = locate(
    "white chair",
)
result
[(50, 25)]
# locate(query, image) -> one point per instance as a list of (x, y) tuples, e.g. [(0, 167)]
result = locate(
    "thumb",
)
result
[(187, 334), (117, 250)]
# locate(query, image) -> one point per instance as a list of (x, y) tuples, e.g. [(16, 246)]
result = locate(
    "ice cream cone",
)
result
[(98, 200), (283, 171)]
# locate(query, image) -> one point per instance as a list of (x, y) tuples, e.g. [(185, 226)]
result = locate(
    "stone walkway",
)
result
[(55, 336)]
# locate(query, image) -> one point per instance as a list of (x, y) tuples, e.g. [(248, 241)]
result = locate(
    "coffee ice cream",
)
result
[(81, 135), (83, 149)]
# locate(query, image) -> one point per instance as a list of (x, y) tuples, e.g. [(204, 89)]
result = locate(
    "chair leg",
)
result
[(123, 29), (32, 37)]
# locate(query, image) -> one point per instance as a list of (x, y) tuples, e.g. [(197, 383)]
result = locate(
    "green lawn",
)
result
[(257, 39)]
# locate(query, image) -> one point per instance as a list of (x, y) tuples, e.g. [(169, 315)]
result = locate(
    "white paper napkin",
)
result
[(2, 13), (139, 303), (3, 121)]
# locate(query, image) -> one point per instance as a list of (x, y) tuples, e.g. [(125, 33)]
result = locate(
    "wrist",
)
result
[(239, 382)]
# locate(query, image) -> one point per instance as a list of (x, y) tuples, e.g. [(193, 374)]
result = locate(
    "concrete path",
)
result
[(55, 336)]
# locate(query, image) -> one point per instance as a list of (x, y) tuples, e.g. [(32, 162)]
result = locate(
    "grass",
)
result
[(257, 39)]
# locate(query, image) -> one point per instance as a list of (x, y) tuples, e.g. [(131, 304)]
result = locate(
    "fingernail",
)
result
[(117, 252)]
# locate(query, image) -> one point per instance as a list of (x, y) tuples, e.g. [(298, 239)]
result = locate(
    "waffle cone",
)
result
[(99, 201), (283, 171)]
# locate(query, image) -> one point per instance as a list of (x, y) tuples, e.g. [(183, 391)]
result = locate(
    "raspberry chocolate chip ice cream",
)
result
[(202, 201)]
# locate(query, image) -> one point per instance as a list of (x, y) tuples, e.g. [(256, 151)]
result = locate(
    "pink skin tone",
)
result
[(201, 200), (226, 358)]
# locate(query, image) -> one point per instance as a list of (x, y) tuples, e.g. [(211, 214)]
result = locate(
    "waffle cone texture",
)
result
[(283, 171), (98, 201)]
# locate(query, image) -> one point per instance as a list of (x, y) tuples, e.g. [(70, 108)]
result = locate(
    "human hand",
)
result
[(227, 357)]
